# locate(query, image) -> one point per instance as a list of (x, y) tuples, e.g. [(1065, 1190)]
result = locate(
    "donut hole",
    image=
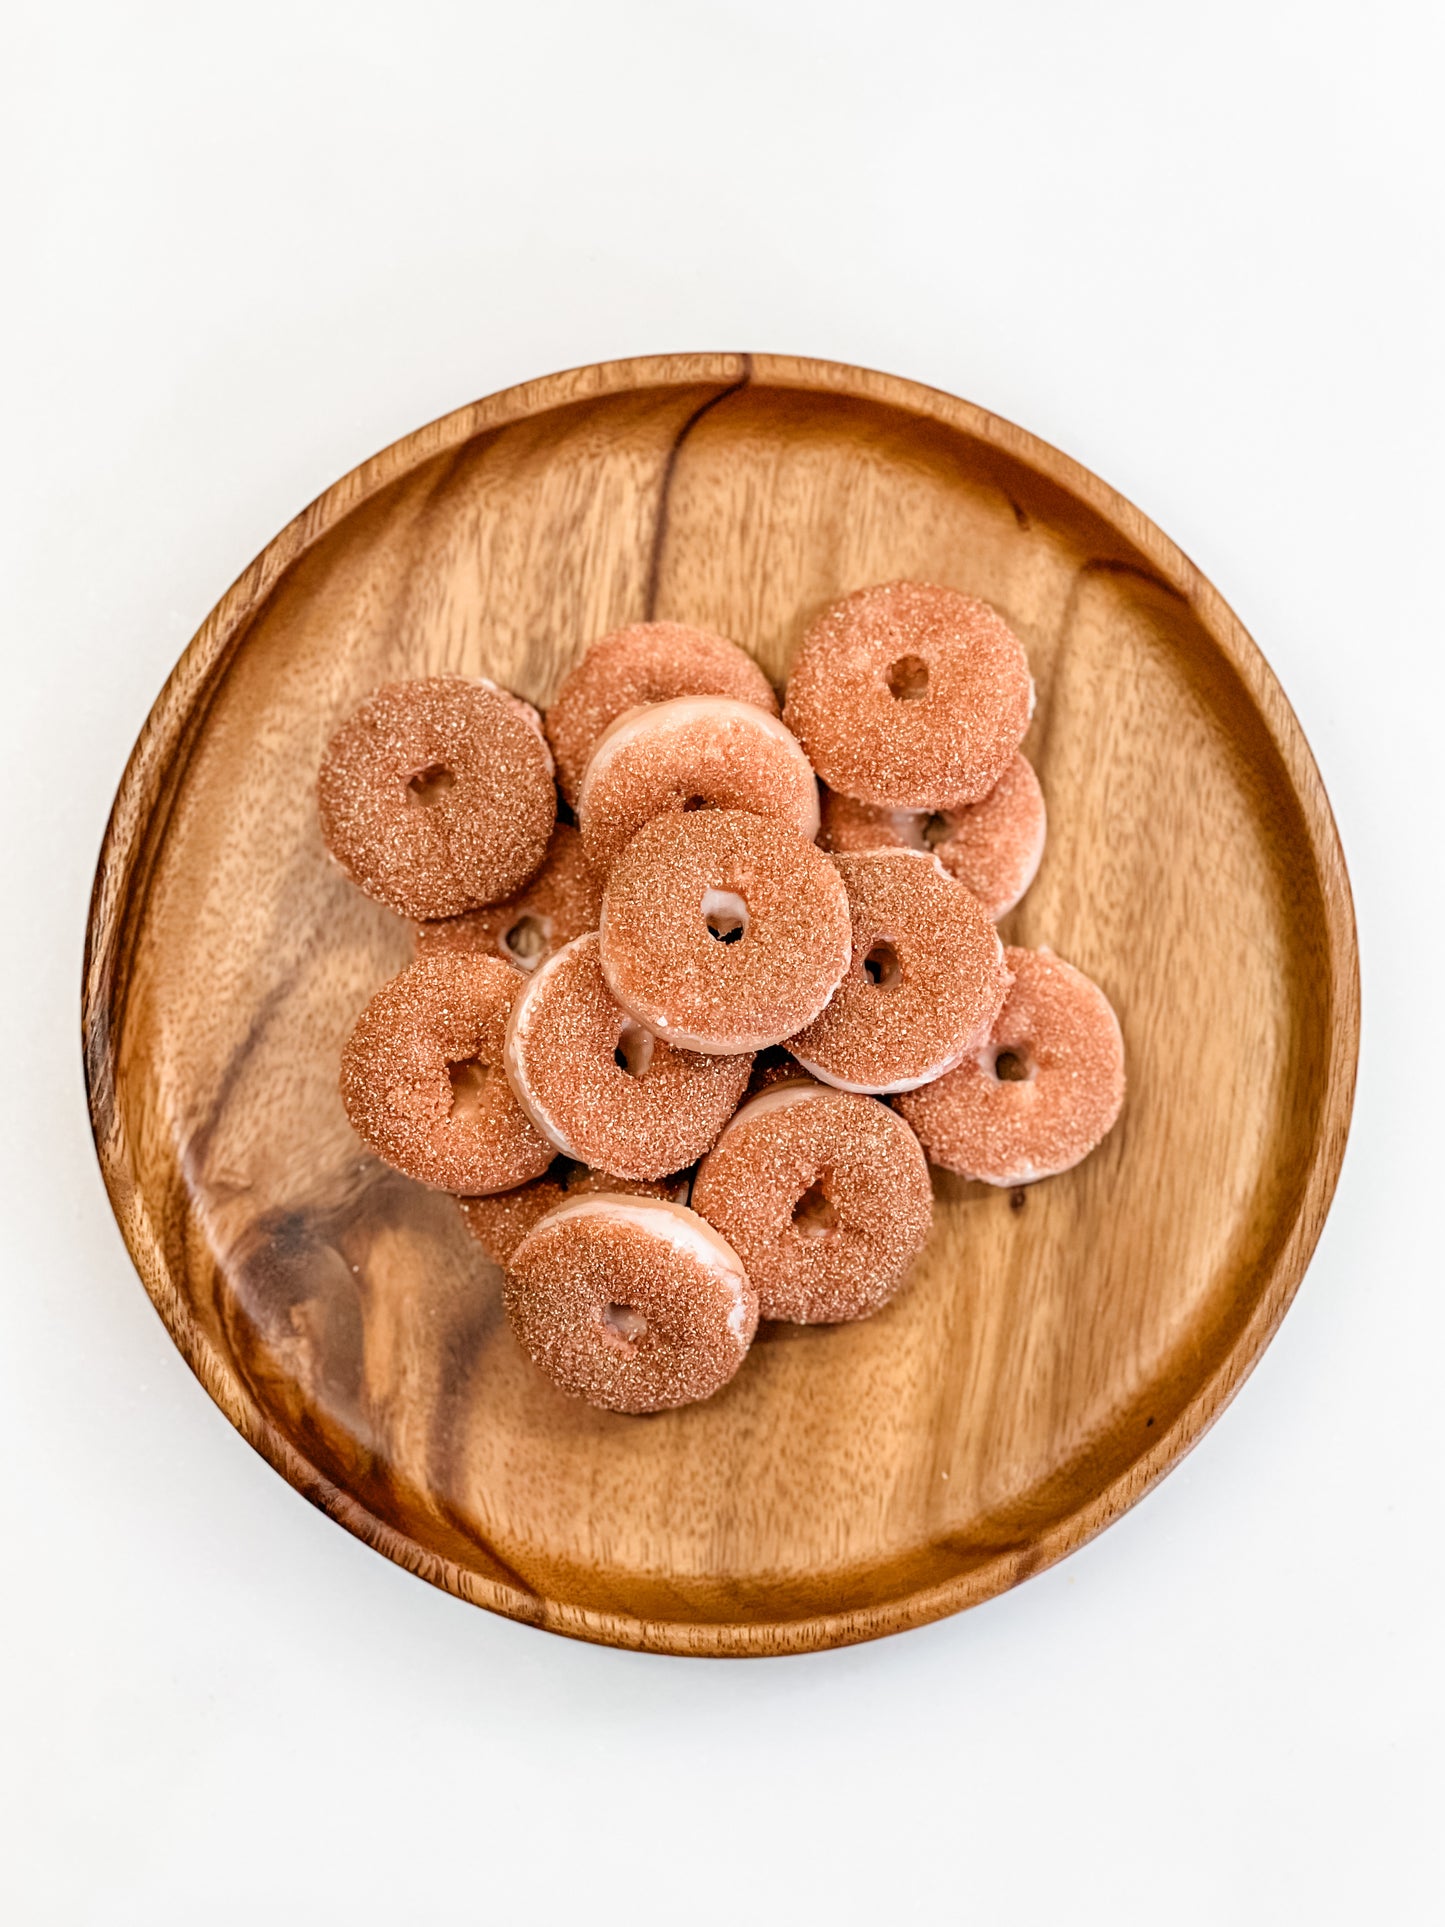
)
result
[(526, 942), (882, 966), (695, 803), (633, 1054), (1012, 1067), (429, 785), (934, 830), (468, 1078), (725, 914), (815, 1215), (624, 1324), (908, 679)]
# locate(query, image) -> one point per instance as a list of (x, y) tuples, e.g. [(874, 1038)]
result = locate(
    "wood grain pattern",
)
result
[(1058, 1348)]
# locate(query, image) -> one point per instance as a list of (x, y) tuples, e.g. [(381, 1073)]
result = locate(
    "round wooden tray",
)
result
[(1057, 1350)]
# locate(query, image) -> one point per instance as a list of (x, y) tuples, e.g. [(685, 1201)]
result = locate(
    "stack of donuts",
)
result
[(684, 1043)]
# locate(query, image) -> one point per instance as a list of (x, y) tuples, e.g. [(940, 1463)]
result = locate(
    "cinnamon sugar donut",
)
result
[(723, 931), (925, 981), (563, 901), (600, 1086), (437, 796), (1045, 1089), (423, 1084), (699, 752), (647, 662), (992, 848), (910, 696), (500, 1222), (630, 1303), (825, 1197)]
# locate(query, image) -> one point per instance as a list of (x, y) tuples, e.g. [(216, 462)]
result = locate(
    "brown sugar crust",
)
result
[(723, 931), (437, 796), (925, 980), (500, 1222), (910, 696), (647, 662), (645, 1116), (561, 902), (825, 1197), (697, 753), (422, 1078), (630, 1303), (992, 848), (1058, 1046)]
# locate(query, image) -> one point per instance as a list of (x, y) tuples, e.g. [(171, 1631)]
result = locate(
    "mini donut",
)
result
[(437, 796), (600, 1086), (825, 1197), (500, 1222), (699, 752), (992, 848), (910, 696), (1045, 1089), (422, 1078), (563, 901), (723, 931), (633, 1304), (925, 981), (647, 662)]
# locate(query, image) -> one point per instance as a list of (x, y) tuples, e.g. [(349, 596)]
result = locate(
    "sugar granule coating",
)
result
[(910, 696), (1058, 1042), (600, 1086), (699, 752), (926, 978), (723, 931), (630, 1303), (500, 1222), (647, 662), (437, 796), (825, 1197), (562, 901), (992, 848), (423, 1084)]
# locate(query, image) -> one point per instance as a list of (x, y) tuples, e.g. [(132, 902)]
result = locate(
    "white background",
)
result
[(1197, 246)]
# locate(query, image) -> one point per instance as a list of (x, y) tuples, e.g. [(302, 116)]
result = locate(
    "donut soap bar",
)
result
[(824, 1197), (647, 662), (437, 796), (722, 931), (1045, 1089), (697, 753), (910, 696), (925, 983), (650, 1052), (422, 1078), (562, 901), (602, 1088), (630, 1303), (992, 848)]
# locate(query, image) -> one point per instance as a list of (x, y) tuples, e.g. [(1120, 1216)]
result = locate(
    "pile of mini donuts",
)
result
[(684, 1044)]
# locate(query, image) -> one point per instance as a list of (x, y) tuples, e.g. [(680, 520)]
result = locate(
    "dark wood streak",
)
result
[(664, 495)]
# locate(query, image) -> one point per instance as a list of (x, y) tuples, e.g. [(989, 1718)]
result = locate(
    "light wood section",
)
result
[(1057, 1350)]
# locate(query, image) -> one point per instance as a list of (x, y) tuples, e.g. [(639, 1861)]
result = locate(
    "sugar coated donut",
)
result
[(910, 696), (699, 752), (602, 1087), (437, 796), (500, 1222), (1044, 1090), (647, 662), (423, 1084), (563, 901), (825, 1197), (631, 1303), (723, 931), (992, 848), (925, 981)]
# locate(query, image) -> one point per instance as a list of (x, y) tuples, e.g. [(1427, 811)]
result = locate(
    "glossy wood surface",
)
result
[(1058, 1348)]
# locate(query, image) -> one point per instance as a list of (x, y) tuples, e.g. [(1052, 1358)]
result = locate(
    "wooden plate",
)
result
[(1058, 1349)]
